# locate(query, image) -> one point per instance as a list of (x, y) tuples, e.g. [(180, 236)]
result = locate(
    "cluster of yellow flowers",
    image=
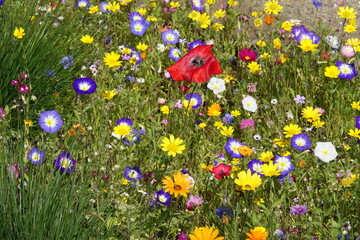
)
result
[(202, 18), (313, 115)]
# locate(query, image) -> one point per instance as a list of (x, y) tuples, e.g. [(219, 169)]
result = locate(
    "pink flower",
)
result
[(165, 122), (347, 51), (247, 123), (193, 202)]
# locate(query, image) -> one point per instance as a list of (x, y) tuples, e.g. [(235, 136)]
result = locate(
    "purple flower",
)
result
[(299, 99), (135, 16), (2, 113), (124, 121), (132, 174), (298, 209), (300, 141), (138, 27), (194, 44), (247, 123), (36, 156), (284, 164), (50, 121), (182, 236), (228, 118), (163, 197), (223, 212), (194, 201), (83, 3), (174, 53), (357, 122), (347, 71), (103, 7), (317, 3), (232, 147), (65, 163), (194, 100), (84, 85), (255, 166), (197, 5), (170, 37), (67, 61)]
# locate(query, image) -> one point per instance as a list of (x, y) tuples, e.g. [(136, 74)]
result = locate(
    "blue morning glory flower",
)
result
[(36, 156), (194, 44), (174, 53), (138, 27), (284, 164), (232, 147), (347, 71), (300, 141), (50, 121), (84, 85), (132, 174), (83, 3), (194, 100), (255, 166), (163, 197), (135, 16), (65, 163), (170, 37)]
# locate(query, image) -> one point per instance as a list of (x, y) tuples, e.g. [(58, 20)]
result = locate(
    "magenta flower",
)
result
[(247, 124)]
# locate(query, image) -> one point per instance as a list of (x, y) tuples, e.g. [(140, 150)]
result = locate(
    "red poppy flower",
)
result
[(247, 55), (196, 66), (221, 170)]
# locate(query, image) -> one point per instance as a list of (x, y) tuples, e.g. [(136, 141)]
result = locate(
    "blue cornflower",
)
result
[(317, 3), (170, 37), (228, 118), (84, 85), (132, 174), (138, 27), (129, 78), (174, 53), (300, 141), (223, 212), (36, 156), (50, 73), (67, 61)]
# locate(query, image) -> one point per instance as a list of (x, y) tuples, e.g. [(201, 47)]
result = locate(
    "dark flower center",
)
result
[(177, 187), (197, 61)]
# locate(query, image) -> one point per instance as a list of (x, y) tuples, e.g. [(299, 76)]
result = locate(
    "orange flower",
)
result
[(71, 132), (258, 233), (269, 19), (214, 110), (245, 150)]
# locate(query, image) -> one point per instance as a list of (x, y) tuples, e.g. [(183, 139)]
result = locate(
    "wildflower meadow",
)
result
[(179, 119)]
